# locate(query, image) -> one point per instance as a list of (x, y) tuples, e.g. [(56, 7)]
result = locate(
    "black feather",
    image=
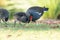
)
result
[(21, 16), (36, 12)]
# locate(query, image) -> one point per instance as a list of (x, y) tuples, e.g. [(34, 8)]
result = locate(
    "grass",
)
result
[(30, 31)]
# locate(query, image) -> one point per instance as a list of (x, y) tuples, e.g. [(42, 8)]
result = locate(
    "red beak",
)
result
[(30, 18)]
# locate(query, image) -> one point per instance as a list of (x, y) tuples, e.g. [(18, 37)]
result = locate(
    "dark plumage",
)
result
[(36, 12), (32, 14), (4, 15), (21, 16)]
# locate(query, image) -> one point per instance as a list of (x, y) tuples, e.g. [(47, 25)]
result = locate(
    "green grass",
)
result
[(30, 26), (29, 31)]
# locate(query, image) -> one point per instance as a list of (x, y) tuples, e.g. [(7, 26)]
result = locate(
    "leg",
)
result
[(0, 22), (4, 22), (21, 24), (14, 23)]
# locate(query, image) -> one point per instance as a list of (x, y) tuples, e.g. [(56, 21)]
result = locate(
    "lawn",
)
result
[(31, 31)]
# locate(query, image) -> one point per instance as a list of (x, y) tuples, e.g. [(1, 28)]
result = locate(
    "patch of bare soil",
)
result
[(53, 23), (49, 21)]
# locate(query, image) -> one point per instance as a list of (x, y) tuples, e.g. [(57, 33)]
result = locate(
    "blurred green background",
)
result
[(22, 5)]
